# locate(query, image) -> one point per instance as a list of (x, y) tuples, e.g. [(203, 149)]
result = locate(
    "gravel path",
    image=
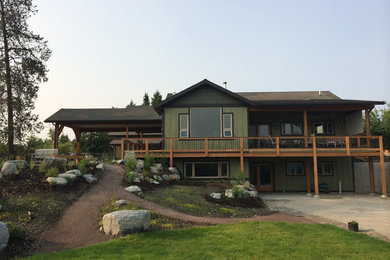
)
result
[(78, 225)]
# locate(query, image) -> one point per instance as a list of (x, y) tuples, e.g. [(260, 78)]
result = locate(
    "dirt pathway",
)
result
[(77, 227)]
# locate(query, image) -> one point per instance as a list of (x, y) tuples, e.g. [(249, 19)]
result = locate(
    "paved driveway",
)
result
[(371, 212)]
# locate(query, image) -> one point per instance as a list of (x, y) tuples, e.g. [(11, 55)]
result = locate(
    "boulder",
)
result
[(166, 177), (75, 172), (157, 178), (136, 180), (174, 177), (124, 222), (155, 182), (9, 168), (51, 162), (138, 169), (140, 176), (121, 203), (246, 185), (4, 235), (100, 166), (229, 194), (174, 170), (140, 163), (20, 164), (129, 155), (120, 162), (253, 193), (58, 181), (90, 178), (216, 195), (133, 188), (68, 176), (158, 166), (153, 170)]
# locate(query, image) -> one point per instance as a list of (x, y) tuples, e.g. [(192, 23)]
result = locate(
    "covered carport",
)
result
[(140, 119)]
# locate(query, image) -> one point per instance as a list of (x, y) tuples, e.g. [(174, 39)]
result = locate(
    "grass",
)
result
[(246, 240)]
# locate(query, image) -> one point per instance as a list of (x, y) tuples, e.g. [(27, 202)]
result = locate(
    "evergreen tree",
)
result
[(156, 98), (146, 101), (23, 57), (131, 104)]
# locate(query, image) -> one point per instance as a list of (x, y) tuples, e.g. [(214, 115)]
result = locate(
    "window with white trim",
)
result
[(292, 128), (325, 168), (323, 128), (227, 125), (295, 169), (206, 169), (183, 125), (205, 122)]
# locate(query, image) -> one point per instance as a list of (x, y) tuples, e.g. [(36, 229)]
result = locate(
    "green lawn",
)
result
[(249, 240)]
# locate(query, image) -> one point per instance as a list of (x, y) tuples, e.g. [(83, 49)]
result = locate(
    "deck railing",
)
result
[(253, 146)]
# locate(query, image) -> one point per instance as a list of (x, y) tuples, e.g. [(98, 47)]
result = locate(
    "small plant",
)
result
[(83, 166), (227, 210), (52, 172), (32, 165), (14, 230), (237, 192), (41, 167), (65, 165), (239, 177), (148, 162), (130, 177), (130, 164), (163, 161)]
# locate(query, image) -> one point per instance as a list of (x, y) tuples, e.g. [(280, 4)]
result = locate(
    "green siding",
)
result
[(171, 121), (204, 96)]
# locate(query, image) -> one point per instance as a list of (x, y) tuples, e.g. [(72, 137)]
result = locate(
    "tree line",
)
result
[(146, 101)]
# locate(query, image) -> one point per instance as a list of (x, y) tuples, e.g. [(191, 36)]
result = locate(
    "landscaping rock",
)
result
[(166, 177), (58, 181), (120, 162), (129, 155), (133, 188), (121, 203), (124, 222), (174, 177), (157, 178), (217, 196), (140, 176), (155, 182), (153, 170), (229, 194), (140, 163), (4, 235), (9, 168), (253, 193), (136, 180), (68, 176), (75, 172), (138, 169), (158, 166), (58, 163), (174, 170), (246, 185), (100, 166), (90, 178), (20, 164)]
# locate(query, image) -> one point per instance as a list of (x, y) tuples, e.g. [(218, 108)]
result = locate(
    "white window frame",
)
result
[(231, 124), (323, 123), (184, 129), (207, 177)]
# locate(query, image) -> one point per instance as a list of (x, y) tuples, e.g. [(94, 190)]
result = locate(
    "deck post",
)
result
[(242, 154), (122, 148), (371, 171), (277, 146), (146, 146), (367, 113), (305, 127), (127, 136), (206, 147), (57, 132), (77, 133), (308, 181), (317, 193), (383, 174), (347, 146), (170, 152)]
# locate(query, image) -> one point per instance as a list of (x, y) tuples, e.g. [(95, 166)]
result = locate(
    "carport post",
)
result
[(308, 182), (383, 174), (317, 193), (371, 171)]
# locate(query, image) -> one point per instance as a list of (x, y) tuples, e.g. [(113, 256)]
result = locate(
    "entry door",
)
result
[(262, 176)]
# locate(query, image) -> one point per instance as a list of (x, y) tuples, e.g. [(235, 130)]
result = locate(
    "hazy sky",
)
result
[(108, 52)]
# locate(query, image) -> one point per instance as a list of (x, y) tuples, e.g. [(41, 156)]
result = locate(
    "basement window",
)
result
[(325, 168), (295, 169), (206, 169)]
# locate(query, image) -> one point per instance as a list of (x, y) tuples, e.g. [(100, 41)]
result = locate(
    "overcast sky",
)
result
[(108, 52)]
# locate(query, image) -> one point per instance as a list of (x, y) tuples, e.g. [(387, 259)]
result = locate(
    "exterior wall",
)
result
[(342, 171), (171, 121), (362, 177)]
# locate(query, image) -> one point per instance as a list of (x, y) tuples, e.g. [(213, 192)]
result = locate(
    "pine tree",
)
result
[(131, 104), (156, 98), (23, 57), (146, 101)]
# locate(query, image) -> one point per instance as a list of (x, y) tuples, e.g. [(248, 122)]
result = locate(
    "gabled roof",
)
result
[(160, 106), (113, 115), (290, 95)]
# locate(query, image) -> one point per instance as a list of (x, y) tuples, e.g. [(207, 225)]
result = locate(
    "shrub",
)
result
[(148, 162), (130, 177), (237, 192), (14, 230), (2, 161), (130, 164), (41, 167), (163, 161), (32, 165), (239, 177), (83, 166), (52, 172)]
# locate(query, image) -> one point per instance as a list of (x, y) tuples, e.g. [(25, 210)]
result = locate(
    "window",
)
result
[(206, 169), (323, 128), (205, 122), (295, 169), (325, 168), (183, 125), (292, 129), (227, 125)]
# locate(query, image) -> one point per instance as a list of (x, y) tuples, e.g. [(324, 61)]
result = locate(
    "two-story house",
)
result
[(281, 141)]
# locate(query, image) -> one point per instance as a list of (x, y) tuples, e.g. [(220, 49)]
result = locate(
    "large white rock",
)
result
[(75, 172), (140, 163), (174, 170), (68, 176), (9, 168), (123, 222), (229, 193), (253, 193), (174, 177), (153, 170), (166, 177), (4, 235), (133, 188), (90, 178), (55, 162), (120, 161), (158, 166), (216, 195), (59, 181), (20, 164), (100, 166), (121, 203)]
